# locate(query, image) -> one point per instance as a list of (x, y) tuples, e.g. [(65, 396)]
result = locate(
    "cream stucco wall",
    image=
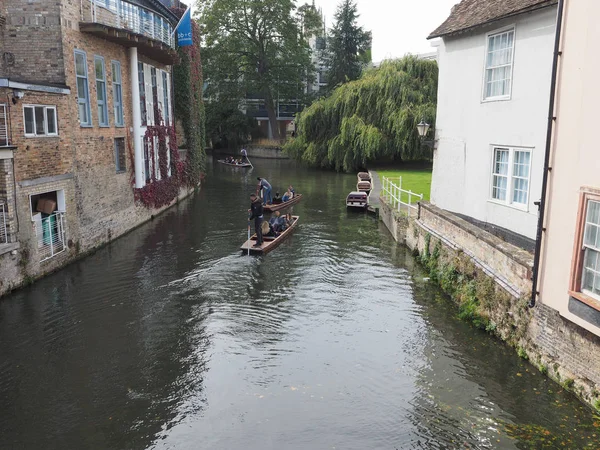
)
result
[(575, 160), (467, 127)]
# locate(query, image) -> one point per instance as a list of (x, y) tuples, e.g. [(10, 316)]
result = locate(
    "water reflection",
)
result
[(170, 338)]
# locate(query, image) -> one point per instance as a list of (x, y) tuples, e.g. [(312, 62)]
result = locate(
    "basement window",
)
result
[(40, 120)]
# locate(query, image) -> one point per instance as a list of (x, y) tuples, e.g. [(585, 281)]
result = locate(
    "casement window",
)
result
[(499, 65), (120, 155), (40, 120), (166, 90), (142, 86), (510, 176), (83, 93), (101, 91), (117, 93), (585, 273)]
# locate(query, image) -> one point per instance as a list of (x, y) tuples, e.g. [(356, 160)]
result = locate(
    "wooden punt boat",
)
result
[(243, 165), (363, 186), (357, 200), (280, 206), (269, 243), (364, 176)]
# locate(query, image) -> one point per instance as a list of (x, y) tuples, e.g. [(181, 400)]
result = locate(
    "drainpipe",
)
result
[(547, 168), (136, 116)]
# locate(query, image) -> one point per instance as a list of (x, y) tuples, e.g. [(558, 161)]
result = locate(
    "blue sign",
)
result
[(184, 29)]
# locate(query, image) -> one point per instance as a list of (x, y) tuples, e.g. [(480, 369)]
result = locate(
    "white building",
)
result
[(495, 60)]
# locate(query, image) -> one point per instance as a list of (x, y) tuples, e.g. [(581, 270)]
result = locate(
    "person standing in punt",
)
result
[(256, 214), (266, 187)]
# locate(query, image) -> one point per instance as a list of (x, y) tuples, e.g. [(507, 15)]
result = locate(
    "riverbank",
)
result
[(490, 281)]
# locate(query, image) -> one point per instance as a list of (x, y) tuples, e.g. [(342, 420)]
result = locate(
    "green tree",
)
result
[(255, 49), (226, 125), (370, 119), (349, 46)]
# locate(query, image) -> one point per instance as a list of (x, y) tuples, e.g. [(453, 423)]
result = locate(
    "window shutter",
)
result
[(160, 94), (170, 105)]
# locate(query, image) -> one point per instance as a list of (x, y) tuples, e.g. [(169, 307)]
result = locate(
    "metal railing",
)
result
[(396, 197), (127, 16), (4, 126), (50, 235), (3, 230)]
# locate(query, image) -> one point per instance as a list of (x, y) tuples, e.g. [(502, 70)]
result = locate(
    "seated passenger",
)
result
[(277, 200), (268, 230), (287, 196), (277, 222)]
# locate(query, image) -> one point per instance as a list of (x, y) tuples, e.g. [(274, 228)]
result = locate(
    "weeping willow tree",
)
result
[(371, 119)]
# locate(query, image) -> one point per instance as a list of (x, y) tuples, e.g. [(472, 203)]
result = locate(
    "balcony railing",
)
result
[(50, 235), (127, 16), (4, 126)]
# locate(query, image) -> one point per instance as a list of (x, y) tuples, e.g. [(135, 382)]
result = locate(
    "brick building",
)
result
[(79, 83)]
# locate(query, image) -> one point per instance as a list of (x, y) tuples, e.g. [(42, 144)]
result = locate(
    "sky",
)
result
[(398, 26)]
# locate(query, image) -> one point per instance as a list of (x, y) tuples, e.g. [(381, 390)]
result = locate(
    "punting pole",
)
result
[(248, 238)]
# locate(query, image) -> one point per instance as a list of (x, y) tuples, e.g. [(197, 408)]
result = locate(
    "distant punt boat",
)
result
[(222, 161), (364, 176), (279, 206), (363, 186), (269, 243)]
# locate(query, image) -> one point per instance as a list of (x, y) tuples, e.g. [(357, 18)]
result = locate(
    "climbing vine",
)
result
[(166, 177), (189, 104)]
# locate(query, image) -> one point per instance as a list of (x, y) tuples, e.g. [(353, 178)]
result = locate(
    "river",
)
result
[(169, 338)]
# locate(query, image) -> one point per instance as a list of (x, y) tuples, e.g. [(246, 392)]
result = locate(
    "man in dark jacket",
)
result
[(256, 213)]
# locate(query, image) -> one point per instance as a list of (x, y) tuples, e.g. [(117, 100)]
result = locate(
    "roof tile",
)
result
[(471, 13)]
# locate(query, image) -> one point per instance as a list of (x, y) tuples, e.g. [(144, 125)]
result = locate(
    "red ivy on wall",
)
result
[(162, 188)]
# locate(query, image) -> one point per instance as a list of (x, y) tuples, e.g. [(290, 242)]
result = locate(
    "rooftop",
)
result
[(469, 14)]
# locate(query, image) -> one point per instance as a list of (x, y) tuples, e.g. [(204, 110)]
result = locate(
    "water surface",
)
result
[(169, 338)]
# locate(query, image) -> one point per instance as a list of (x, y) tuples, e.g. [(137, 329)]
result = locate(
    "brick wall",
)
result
[(31, 39), (38, 157), (551, 342)]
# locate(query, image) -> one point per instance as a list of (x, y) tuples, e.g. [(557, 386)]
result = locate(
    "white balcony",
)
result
[(130, 25)]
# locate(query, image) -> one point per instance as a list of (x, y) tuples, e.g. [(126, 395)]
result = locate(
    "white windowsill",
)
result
[(503, 98), (517, 206), (41, 136)]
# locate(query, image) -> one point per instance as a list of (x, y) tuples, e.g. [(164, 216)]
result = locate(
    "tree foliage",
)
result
[(369, 119), (349, 46), (227, 126), (254, 48)]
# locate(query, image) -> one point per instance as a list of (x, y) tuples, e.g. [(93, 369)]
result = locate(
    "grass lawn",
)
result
[(416, 180)]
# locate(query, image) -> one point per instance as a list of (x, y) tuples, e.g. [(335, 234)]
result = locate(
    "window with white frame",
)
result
[(40, 120), (590, 279), (117, 93), (499, 65), (584, 283), (510, 176), (83, 94), (101, 91)]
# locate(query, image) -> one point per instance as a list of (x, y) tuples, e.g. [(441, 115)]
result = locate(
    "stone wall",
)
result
[(31, 42), (490, 281)]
